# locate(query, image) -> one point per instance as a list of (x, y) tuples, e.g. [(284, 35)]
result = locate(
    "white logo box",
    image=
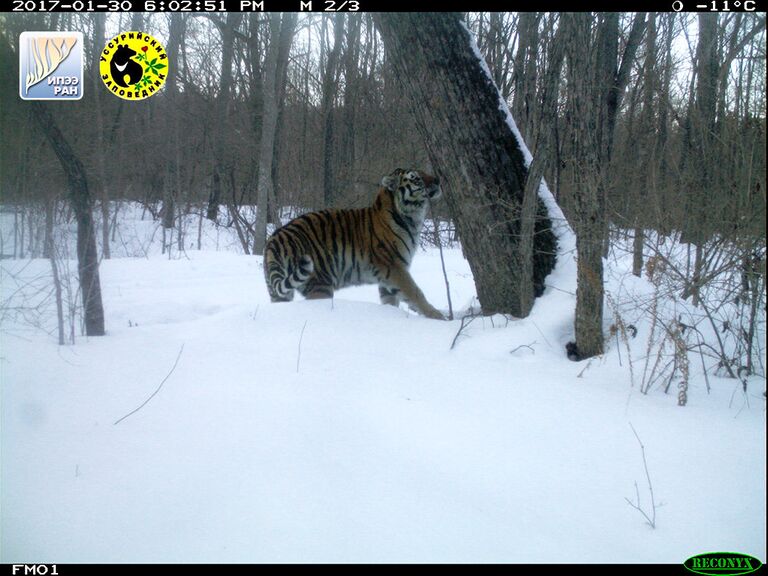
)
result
[(51, 65)]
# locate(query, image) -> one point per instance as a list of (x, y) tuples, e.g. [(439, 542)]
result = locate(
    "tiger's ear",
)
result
[(392, 181)]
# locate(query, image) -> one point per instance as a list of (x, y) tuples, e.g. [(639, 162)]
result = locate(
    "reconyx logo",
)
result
[(51, 65), (133, 65), (730, 563)]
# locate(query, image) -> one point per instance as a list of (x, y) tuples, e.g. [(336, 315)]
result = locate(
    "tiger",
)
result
[(320, 252)]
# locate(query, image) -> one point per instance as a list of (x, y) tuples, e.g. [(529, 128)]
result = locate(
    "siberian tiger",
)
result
[(323, 251)]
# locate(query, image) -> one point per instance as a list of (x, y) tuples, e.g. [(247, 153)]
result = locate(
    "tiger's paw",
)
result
[(434, 314)]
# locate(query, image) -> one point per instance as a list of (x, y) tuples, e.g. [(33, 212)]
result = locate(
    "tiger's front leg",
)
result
[(402, 280), (314, 290)]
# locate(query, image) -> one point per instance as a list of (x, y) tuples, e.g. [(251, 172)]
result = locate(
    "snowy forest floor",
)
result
[(348, 431)]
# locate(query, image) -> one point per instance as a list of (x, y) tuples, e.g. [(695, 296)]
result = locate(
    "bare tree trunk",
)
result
[(329, 95), (609, 72), (16, 242), (49, 252), (255, 93), (172, 176), (648, 141), (305, 139), (665, 222), (269, 125), (700, 142), (50, 215), (98, 40), (583, 110), (137, 21), (525, 72), (351, 95), (220, 165), (596, 83), (472, 147), (545, 117), (496, 44), (617, 73), (82, 204), (287, 30)]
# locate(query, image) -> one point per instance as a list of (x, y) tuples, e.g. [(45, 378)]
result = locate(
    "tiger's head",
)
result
[(412, 188)]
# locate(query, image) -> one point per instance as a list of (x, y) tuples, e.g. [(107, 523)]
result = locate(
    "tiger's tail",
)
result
[(282, 280)]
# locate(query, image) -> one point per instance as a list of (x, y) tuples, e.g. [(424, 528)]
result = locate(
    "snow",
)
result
[(348, 431)]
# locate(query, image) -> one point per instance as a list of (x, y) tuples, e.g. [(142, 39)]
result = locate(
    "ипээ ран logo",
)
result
[(133, 65), (51, 65), (719, 563)]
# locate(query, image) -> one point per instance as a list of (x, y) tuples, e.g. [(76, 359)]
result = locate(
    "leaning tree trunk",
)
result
[(459, 113), (82, 204)]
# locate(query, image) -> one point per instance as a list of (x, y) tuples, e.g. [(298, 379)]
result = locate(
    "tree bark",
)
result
[(458, 111)]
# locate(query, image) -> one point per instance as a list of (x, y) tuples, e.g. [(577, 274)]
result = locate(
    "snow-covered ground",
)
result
[(348, 431)]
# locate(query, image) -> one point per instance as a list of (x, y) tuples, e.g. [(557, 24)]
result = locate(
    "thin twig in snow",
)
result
[(465, 321), (298, 355), (581, 374), (439, 243), (529, 346), (650, 519), (156, 391)]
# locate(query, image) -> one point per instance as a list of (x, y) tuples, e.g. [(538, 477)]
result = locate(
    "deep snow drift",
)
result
[(348, 431)]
